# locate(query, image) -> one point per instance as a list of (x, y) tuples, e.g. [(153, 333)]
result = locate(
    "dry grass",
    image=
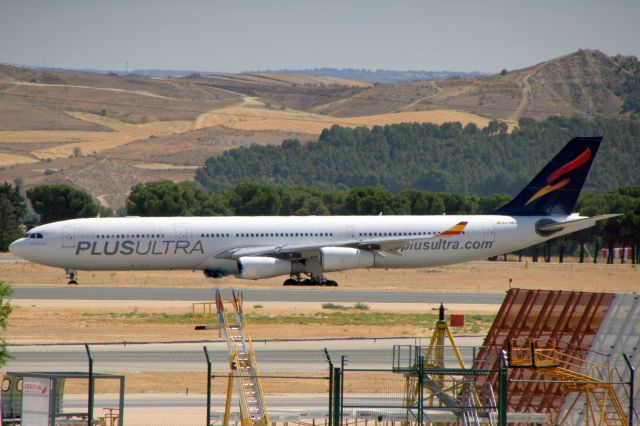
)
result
[(260, 119), (163, 166), (10, 159)]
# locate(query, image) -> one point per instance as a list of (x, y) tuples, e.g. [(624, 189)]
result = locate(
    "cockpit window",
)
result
[(39, 236), (32, 235), (26, 235)]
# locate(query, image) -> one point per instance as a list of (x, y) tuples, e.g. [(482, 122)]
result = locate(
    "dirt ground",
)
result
[(81, 321), (467, 277)]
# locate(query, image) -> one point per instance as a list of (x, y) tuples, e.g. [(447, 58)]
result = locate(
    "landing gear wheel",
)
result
[(291, 281), (72, 275), (331, 283)]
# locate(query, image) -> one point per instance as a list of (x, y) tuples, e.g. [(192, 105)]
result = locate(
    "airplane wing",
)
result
[(575, 225), (300, 251)]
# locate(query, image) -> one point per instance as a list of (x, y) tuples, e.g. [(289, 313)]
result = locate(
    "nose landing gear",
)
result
[(71, 275)]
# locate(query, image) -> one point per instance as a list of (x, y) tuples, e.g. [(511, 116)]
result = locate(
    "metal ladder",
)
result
[(244, 370)]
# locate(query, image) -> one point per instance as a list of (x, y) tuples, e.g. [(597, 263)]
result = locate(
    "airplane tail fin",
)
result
[(556, 188)]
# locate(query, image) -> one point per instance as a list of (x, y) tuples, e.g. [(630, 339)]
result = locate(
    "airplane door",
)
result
[(351, 232), (68, 236), (181, 232), (488, 231)]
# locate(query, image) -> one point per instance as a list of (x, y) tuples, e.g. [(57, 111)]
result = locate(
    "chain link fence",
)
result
[(173, 384)]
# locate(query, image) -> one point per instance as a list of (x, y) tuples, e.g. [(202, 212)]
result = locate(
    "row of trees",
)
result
[(177, 199), (445, 158), (166, 198)]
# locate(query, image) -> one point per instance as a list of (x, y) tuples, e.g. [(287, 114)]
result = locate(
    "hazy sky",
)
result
[(232, 36)]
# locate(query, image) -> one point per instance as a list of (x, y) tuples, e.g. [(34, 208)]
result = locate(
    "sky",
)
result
[(242, 35)]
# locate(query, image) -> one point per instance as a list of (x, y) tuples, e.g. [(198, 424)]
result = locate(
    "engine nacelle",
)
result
[(254, 268), (341, 258)]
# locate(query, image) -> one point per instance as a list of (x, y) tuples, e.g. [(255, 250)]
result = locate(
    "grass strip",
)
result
[(336, 318)]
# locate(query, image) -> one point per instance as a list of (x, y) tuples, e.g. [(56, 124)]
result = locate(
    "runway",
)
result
[(41, 292), (273, 356)]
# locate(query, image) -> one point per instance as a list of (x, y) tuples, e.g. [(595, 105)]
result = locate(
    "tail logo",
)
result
[(571, 165)]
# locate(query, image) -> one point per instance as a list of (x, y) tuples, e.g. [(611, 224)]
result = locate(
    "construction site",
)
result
[(549, 358)]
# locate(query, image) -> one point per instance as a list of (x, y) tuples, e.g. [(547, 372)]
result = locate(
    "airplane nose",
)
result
[(14, 247)]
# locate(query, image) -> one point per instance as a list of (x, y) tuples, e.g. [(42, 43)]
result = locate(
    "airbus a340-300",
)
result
[(305, 248)]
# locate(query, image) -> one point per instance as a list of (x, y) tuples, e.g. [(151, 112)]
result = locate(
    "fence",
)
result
[(172, 384)]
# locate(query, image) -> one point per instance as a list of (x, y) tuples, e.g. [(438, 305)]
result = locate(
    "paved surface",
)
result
[(251, 295), (11, 259), (273, 356), (199, 401)]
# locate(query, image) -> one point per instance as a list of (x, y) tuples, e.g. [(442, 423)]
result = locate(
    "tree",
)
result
[(15, 198), (61, 202), (9, 224), (5, 311), (421, 202), (249, 199), (167, 198), (12, 210), (436, 158), (370, 201), (489, 204)]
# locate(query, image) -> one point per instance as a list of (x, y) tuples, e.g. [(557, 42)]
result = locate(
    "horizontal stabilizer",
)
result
[(575, 225)]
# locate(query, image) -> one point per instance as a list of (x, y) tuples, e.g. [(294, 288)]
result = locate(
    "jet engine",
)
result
[(341, 258), (255, 267)]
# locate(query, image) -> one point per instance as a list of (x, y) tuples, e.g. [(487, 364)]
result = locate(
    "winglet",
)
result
[(455, 230)]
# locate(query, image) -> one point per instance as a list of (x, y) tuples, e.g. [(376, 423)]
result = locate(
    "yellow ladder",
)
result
[(242, 362)]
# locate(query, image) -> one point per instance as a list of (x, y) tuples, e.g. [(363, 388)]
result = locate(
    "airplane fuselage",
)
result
[(193, 243)]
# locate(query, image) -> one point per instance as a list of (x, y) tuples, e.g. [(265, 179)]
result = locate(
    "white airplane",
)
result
[(309, 246)]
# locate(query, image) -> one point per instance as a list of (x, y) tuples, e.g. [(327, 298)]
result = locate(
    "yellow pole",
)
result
[(227, 408), (455, 348)]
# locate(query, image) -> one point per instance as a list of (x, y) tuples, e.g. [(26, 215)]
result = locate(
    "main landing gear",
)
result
[(321, 280), (71, 275)]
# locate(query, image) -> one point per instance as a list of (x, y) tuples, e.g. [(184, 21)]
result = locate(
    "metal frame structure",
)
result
[(571, 318), (574, 374)]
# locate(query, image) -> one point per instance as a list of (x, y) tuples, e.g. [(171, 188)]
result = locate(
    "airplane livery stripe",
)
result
[(571, 165), (547, 189), (456, 230)]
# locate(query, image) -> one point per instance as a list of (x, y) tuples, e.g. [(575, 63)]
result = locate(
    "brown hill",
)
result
[(585, 82), (57, 125)]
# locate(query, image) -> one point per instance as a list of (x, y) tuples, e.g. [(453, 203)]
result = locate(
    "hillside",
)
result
[(449, 157), (57, 124), (584, 83)]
